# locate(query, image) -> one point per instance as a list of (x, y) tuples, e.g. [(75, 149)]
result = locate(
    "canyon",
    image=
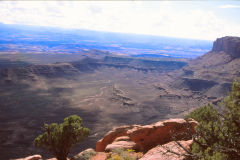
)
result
[(108, 91)]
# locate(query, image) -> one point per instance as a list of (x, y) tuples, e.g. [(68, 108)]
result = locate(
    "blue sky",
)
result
[(186, 19)]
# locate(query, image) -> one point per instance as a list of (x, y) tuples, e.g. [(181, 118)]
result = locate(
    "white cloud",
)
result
[(141, 17), (229, 6)]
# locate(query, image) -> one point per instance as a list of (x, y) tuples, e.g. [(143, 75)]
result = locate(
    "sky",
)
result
[(205, 20)]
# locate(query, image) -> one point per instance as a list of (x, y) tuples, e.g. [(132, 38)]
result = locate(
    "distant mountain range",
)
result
[(36, 39)]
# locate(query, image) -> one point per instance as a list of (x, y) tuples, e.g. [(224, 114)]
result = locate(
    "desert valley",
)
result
[(119, 80), (106, 90)]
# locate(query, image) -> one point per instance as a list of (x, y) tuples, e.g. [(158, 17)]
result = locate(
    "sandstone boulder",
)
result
[(122, 138), (149, 136), (162, 152), (111, 136), (55, 159), (100, 156), (33, 157), (123, 142), (86, 154)]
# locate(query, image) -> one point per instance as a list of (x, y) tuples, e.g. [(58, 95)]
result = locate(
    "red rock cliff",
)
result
[(230, 45)]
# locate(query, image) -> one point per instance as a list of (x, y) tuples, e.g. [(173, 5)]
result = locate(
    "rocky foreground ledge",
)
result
[(149, 142)]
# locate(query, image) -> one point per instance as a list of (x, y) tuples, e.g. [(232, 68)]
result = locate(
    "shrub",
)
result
[(59, 138), (121, 154), (218, 132)]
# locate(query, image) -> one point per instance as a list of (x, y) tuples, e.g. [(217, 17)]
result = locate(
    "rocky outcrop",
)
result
[(33, 157), (100, 156), (112, 135), (164, 152), (230, 45), (211, 74), (149, 136), (86, 154), (123, 142), (154, 140)]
